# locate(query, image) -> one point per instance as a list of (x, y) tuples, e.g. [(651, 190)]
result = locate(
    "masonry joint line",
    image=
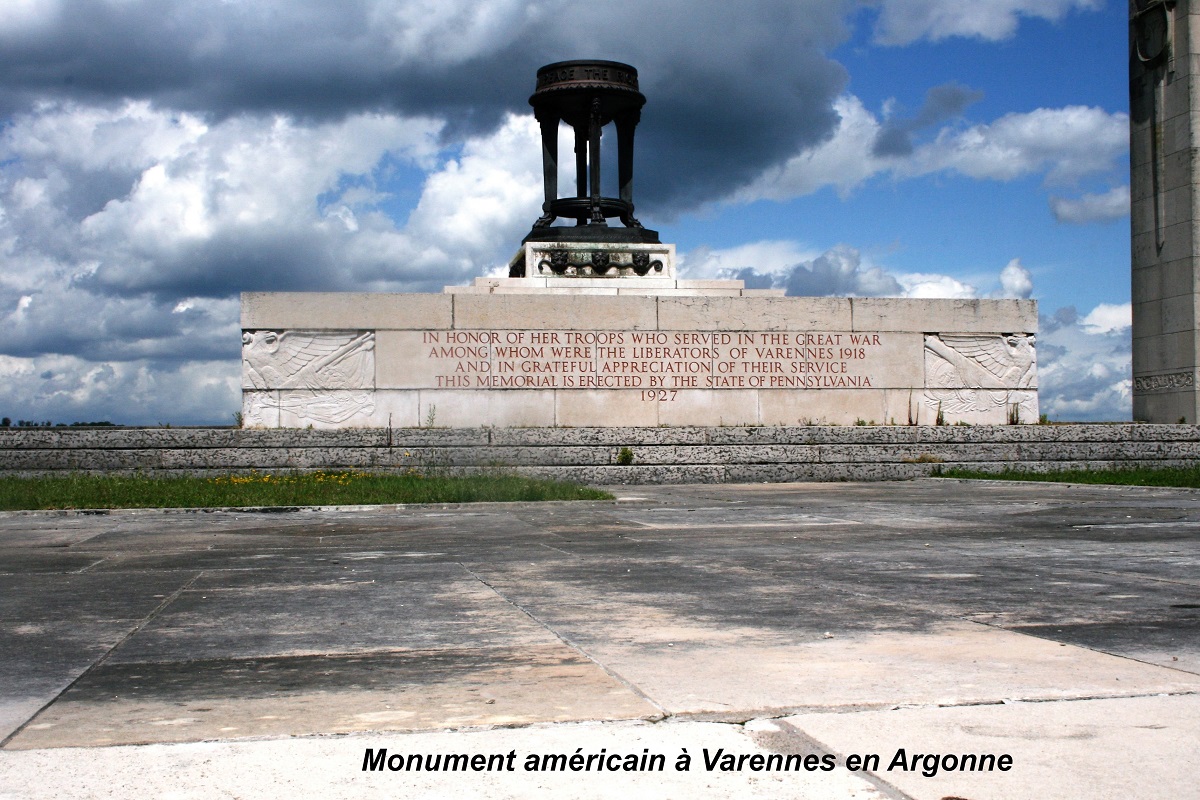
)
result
[(663, 712), (154, 612)]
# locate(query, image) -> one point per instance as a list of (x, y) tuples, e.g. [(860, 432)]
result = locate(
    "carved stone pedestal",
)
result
[(516, 353), (575, 259)]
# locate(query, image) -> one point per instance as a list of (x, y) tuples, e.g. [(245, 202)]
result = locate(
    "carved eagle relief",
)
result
[(308, 360), (980, 361), (959, 369), (264, 409)]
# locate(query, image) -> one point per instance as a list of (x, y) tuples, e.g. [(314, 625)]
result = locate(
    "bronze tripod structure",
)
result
[(587, 95)]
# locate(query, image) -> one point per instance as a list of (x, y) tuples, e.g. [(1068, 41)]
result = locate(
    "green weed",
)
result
[(79, 490), (1132, 476)]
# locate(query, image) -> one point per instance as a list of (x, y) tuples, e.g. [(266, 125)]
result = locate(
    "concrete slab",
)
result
[(348, 609), (271, 769), (754, 642), (1133, 747), (54, 627), (301, 695), (948, 666)]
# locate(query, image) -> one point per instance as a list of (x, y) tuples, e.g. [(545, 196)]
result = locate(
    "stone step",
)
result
[(593, 455)]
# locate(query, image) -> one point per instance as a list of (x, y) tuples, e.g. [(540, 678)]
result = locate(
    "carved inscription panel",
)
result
[(646, 360), (1175, 381)]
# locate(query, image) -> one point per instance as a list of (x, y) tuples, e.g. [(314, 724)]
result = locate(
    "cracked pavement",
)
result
[(211, 654)]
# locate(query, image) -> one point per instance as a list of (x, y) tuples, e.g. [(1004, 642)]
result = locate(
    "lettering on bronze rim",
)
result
[(1164, 383), (587, 73), (555, 76)]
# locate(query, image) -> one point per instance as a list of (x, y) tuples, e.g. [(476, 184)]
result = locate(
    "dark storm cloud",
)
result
[(731, 88), (754, 279), (941, 103), (1063, 317), (840, 272), (101, 328), (250, 260)]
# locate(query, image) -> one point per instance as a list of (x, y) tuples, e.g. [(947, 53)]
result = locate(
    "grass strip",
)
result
[(291, 489), (1188, 477)]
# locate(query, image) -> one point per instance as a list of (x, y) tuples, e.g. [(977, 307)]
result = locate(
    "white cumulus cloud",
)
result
[(1085, 364), (1105, 207), (127, 232), (902, 22), (64, 388), (844, 161), (1063, 144), (1015, 281), (768, 256), (840, 270), (1108, 318), (926, 285)]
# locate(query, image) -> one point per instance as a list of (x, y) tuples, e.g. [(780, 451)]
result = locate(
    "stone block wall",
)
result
[(1164, 41), (581, 360), (592, 455)]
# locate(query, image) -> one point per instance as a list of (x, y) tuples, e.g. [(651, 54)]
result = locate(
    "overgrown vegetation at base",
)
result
[(1134, 476), (292, 489)]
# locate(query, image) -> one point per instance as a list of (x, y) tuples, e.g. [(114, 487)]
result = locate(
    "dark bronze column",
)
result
[(595, 122), (626, 123), (581, 172), (549, 123)]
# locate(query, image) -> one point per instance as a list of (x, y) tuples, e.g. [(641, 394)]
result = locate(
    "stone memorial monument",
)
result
[(592, 327), (1164, 41)]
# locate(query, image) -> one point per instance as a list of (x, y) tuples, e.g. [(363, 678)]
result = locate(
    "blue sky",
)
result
[(1078, 60), (159, 156), (947, 222)]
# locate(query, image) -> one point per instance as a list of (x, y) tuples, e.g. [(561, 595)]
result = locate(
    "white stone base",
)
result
[(593, 285), (529, 352)]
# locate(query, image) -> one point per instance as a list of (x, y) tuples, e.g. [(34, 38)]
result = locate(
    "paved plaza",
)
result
[(241, 654)]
